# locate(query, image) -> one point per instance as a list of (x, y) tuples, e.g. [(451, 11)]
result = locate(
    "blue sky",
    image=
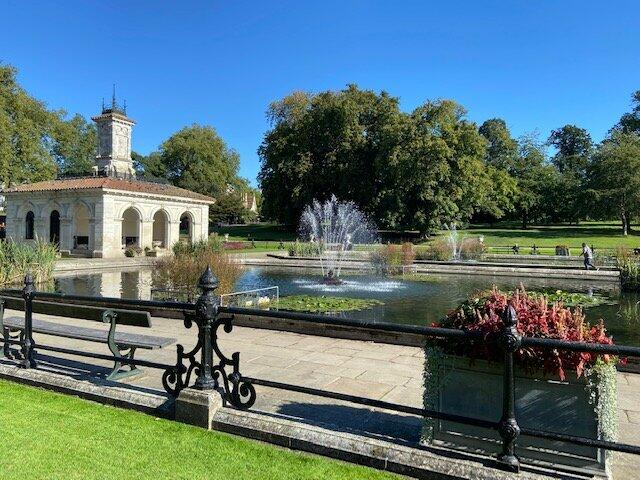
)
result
[(537, 64)]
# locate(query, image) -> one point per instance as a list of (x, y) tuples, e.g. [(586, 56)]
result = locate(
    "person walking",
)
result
[(587, 253)]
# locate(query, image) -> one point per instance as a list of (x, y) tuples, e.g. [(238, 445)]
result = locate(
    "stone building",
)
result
[(104, 214)]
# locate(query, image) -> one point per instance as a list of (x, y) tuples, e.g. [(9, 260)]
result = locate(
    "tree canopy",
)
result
[(408, 171)]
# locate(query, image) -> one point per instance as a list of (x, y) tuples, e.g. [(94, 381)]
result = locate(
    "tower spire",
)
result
[(113, 98)]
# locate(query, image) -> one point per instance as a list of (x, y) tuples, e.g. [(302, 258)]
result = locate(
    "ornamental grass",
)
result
[(537, 317), (16, 260), (182, 271)]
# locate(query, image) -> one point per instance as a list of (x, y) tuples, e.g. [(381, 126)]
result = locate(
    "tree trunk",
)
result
[(524, 221), (625, 223)]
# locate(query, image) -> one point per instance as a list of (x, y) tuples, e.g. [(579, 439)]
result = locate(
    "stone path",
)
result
[(386, 372)]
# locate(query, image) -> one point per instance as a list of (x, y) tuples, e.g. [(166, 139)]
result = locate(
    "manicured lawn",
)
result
[(47, 436), (260, 232), (600, 234)]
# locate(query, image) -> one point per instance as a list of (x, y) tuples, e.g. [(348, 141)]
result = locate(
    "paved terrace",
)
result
[(386, 372)]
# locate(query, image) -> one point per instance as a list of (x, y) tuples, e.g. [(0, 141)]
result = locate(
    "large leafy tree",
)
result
[(331, 143), (573, 149), (502, 149), (630, 122), (27, 131), (196, 158), (416, 170), (535, 178), (573, 146), (75, 147), (614, 177), (441, 176)]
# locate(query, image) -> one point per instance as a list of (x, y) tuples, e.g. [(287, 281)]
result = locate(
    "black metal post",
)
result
[(206, 312), (28, 344), (508, 427)]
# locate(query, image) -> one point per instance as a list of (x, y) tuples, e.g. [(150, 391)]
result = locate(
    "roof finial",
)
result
[(113, 98), (124, 107), (103, 104)]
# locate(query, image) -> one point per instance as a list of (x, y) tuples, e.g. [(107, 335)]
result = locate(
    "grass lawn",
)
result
[(260, 232), (600, 234), (52, 436)]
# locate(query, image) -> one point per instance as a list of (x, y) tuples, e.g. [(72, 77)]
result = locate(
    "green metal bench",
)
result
[(120, 344)]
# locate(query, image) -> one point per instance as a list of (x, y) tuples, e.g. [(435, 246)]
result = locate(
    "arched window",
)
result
[(29, 233)]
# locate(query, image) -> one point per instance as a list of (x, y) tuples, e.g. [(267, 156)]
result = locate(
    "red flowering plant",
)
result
[(536, 318)]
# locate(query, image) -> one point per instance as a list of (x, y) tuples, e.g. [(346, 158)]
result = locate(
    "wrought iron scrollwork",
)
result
[(238, 392), (235, 389), (177, 378)]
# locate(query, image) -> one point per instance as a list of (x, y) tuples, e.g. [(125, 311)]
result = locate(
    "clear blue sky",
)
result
[(537, 64)]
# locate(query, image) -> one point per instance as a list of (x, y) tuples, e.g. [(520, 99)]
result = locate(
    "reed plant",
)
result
[(182, 271), (17, 259)]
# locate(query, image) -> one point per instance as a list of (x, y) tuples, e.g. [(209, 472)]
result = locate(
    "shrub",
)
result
[(303, 249), (536, 318), (386, 259), (472, 249), (132, 251), (438, 250), (408, 255)]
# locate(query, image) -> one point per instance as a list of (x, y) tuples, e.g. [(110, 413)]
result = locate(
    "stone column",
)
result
[(66, 236), (146, 233)]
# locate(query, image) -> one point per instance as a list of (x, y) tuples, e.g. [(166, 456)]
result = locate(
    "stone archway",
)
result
[(54, 227), (82, 226), (186, 227), (160, 236), (131, 222)]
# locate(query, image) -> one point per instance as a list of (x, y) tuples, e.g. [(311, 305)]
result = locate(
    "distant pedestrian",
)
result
[(587, 253)]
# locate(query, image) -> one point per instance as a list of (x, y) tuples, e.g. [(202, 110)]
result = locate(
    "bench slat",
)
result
[(149, 342), (133, 318)]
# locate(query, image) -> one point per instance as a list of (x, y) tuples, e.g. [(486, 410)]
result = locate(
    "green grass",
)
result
[(323, 304), (259, 232), (600, 234), (49, 436)]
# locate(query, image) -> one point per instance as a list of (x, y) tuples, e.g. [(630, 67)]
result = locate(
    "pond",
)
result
[(405, 301)]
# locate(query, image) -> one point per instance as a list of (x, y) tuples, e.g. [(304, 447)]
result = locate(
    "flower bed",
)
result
[(556, 390)]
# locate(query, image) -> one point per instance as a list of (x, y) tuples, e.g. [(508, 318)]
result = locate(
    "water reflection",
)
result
[(409, 302)]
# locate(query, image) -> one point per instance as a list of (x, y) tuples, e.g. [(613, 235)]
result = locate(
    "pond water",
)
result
[(408, 302)]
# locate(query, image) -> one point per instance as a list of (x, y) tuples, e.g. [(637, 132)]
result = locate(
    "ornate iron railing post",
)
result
[(206, 312), (508, 428), (28, 345)]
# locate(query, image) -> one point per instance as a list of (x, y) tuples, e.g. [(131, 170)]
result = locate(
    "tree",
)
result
[(330, 143), (75, 147), (196, 158), (573, 149), (441, 174), (227, 209), (149, 166), (502, 149), (534, 177), (630, 122), (27, 130), (614, 176)]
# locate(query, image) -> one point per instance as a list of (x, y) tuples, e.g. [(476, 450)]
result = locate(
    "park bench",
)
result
[(515, 249), (120, 344)]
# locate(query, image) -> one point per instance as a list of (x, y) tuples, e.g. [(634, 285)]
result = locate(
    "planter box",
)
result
[(475, 390)]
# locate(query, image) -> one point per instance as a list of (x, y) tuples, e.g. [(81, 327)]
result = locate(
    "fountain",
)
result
[(334, 228), (454, 242)]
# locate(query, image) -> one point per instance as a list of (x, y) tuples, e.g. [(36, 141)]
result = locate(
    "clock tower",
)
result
[(114, 141)]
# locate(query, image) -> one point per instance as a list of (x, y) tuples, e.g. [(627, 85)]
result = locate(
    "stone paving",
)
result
[(385, 372)]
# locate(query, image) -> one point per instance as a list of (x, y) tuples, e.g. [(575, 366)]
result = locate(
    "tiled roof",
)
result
[(109, 183)]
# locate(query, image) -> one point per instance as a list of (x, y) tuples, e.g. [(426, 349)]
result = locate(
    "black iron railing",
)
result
[(207, 367)]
